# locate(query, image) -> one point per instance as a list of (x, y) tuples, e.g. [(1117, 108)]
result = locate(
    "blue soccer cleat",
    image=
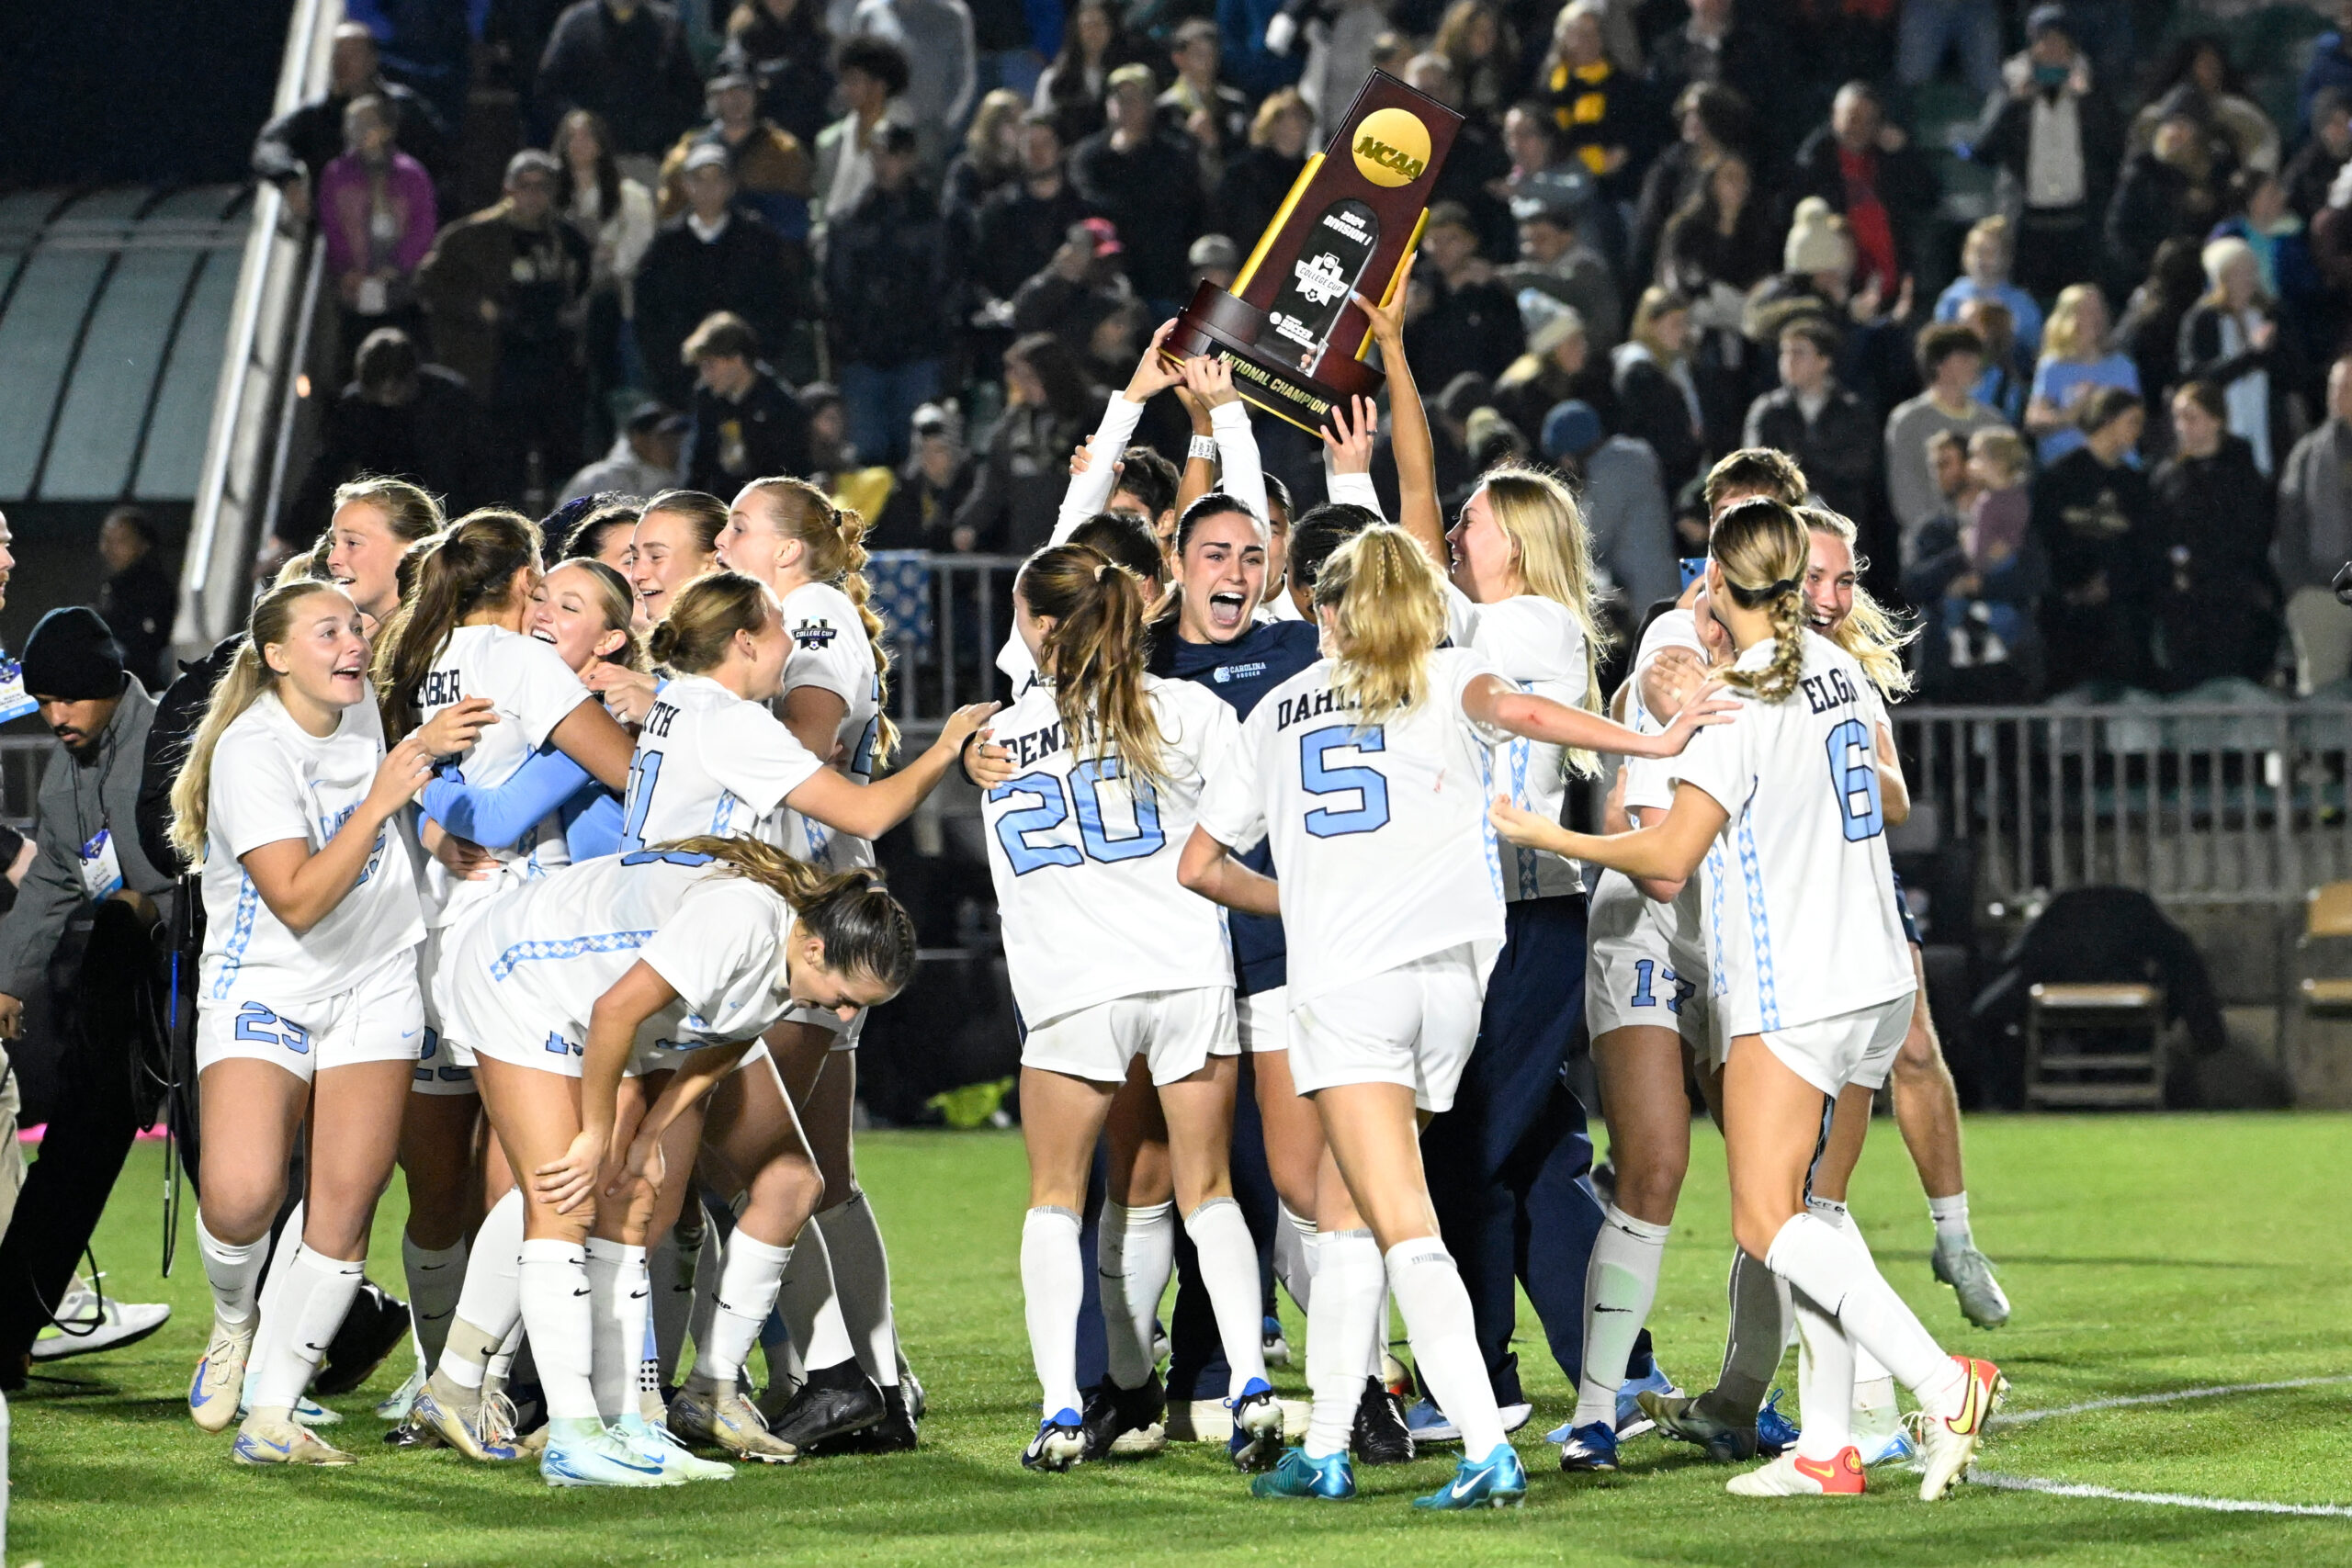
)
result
[(1430, 1425), (1257, 1426), (1331, 1478), (1775, 1433), (1060, 1442), (1498, 1481), (1589, 1448), (1631, 1419)]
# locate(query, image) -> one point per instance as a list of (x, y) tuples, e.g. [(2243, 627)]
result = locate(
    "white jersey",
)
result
[(1536, 645), (710, 761), (544, 956), (830, 651), (533, 690), (1800, 896), (1380, 836), (1084, 860), (273, 780), (1649, 783)]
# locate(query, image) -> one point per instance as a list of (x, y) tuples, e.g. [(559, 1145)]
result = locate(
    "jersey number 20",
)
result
[(1853, 770), (1053, 809)]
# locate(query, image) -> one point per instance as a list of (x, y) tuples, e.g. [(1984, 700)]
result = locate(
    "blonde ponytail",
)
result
[(1761, 549), (247, 679), (1388, 613), (834, 539), (1546, 528)]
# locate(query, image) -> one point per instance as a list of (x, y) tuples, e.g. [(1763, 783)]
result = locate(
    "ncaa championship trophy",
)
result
[(1287, 327)]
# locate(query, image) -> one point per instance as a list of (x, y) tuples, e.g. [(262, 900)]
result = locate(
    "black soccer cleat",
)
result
[(1112, 1412), (1380, 1436), (375, 1325), (894, 1433), (833, 1402)]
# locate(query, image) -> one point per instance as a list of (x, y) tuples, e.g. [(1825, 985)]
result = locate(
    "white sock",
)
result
[(1135, 1252), (434, 1279), (812, 1307), (1229, 1273), (1295, 1242), (489, 1296), (233, 1269), (1825, 1382), (618, 1298), (671, 1265), (1375, 1365), (1873, 1388), (1341, 1336), (1444, 1337), (500, 1367), (1052, 1284), (649, 1403), (1818, 1259), (707, 1268), (555, 1294), (751, 1272), (281, 1256), (862, 1285), (1754, 1341), (318, 1292), (1620, 1283), (1951, 1215)]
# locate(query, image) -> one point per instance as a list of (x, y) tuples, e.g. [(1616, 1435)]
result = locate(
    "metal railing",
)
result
[(235, 485), (2248, 805), (947, 615)]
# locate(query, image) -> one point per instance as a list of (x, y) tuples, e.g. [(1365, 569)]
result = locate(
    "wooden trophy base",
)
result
[(1265, 369)]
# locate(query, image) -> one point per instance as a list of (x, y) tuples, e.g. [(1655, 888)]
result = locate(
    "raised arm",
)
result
[(1490, 700), (1089, 490), (1408, 425), (1668, 853), (1243, 476), (868, 811)]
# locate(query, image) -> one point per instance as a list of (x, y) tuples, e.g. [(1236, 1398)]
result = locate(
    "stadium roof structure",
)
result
[(114, 318)]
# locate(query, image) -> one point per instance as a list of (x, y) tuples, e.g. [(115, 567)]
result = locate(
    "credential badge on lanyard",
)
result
[(101, 869), (14, 703)]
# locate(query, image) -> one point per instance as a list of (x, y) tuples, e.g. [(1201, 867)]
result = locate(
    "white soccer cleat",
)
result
[(273, 1438), (1948, 1441), (1792, 1476), (725, 1419), (653, 1440), (598, 1458), (215, 1392), (90, 1321), (394, 1407), (1970, 1274)]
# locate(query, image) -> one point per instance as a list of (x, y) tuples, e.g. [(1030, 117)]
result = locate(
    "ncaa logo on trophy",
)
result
[(1293, 338)]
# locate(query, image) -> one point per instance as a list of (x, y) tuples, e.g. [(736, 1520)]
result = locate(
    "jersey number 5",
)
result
[(1370, 810), (1053, 809), (1853, 771)]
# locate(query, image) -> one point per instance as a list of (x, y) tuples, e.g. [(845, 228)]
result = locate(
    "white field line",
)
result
[(2004, 1482), (2023, 1417)]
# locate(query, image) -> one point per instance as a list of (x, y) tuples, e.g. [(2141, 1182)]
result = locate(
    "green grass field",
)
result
[(2145, 1255)]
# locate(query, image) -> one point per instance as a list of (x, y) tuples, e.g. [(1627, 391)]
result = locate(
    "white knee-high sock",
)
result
[(1229, 1273), (1620, 1283), (489, 1301), (1444, 1337), (1873, 1387), (233, 1269), (1754, 1341), (1135, 1251), (1295, 1242), (618, 1300), (1825, 1381), (751, 1272), (1820, 1259), (318, 1292), (1341, 1336), (862, 1284), (435, 1276), (811, 1308), (1053, 1282), (561, 1322)]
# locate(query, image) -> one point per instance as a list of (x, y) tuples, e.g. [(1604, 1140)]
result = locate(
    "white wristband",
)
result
[(1203, 447)]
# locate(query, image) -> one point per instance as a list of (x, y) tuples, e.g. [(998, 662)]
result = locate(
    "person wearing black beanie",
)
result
[(74, 669)]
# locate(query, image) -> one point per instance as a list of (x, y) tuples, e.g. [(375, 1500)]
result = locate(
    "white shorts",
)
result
[(845, 1036), (446, 1064), (1631, 975), (1174, 1032), (1856, 1048), (1261, 1021), (381, 1018), (1411, 1025)]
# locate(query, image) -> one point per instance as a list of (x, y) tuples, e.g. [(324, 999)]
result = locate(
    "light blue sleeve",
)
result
[(592, 824), (497, 815)]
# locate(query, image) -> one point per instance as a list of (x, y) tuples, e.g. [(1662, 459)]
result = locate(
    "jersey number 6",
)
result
[(1053, 809), (1853, 770)]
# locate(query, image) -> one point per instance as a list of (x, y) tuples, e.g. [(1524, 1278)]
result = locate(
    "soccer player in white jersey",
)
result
[(1111, 962), (306, 993), (810, 553), (460, 636), (1361, 770), (607, 999), (1812, 986)]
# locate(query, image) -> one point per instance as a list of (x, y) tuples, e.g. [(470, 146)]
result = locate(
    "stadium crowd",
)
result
[(2098, 424)]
